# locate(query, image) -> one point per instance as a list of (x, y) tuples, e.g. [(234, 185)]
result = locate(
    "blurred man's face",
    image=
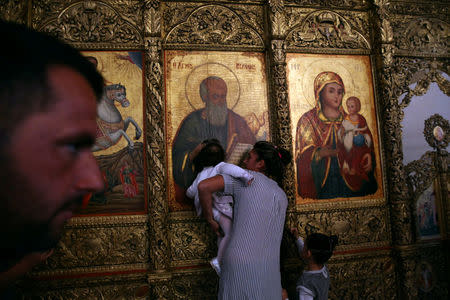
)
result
[(216, 102), (217, 91), (50, 166)]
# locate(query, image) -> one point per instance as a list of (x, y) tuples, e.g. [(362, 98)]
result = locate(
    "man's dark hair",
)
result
[(25, 60), (275, 159), (321, 246), (210, 155)]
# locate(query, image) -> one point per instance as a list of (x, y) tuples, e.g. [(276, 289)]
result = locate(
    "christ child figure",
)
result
[(356, 144)]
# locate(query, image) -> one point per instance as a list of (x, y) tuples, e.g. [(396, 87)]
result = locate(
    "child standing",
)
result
[(208, 163), (316, 250), (357, 144)]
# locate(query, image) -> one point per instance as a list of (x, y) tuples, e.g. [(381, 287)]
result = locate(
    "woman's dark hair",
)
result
[(321, 246), (210, 155), (275, 159)]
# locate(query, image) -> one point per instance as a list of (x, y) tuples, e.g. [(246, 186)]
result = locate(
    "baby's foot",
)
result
[(215, 265)]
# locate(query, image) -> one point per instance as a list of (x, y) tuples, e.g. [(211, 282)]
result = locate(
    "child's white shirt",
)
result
[(220, 168)]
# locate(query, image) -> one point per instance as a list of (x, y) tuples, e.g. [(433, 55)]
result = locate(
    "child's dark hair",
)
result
[(321, 246), (275, 159), (210, 155)]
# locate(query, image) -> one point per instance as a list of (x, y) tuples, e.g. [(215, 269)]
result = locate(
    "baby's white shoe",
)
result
[(215, 265)]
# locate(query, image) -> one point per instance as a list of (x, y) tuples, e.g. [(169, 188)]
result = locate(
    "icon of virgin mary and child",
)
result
[(334, 150)]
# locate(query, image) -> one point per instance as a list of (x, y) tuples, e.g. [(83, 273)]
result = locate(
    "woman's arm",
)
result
[(205, 190)]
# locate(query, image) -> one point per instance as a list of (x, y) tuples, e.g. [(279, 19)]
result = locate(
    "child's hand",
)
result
[(294, 231)]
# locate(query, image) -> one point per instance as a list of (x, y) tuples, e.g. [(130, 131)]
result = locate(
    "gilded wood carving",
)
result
[(327, 29), (90, 22), (213, 25)]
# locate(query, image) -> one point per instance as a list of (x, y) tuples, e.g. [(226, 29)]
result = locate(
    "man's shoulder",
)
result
[(193, 116)]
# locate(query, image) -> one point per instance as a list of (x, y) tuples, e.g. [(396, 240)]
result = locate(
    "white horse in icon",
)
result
[(110, 125)]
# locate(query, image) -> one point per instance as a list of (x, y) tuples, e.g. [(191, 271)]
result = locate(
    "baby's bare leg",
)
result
[(225, 223)]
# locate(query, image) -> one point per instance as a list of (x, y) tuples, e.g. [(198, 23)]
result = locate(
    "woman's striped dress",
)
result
[(251, 262)]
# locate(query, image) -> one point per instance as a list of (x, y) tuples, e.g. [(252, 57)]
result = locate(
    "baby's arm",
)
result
[(235, 171), (192, 191)]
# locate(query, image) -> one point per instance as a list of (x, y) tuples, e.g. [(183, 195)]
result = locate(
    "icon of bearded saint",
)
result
[(214, 120)]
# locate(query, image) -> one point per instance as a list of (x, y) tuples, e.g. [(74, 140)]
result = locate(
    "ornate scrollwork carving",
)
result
[(427, 36), (383, 23), (45, 10), (359, 277), (84, 248), (387, 34), (362, 227), (191, 240), (349, 4), (438, 8), (277, 17), (280, 108), (156, 175), (93, 22), (326, 29), (104, 287), (420, 174), (160, 286), (176, 13), (396, 94), (214, 25), (195, 285), (422, 74), (149, 4), (14, 11), (401, 222), (152, 16), (437, 132)]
